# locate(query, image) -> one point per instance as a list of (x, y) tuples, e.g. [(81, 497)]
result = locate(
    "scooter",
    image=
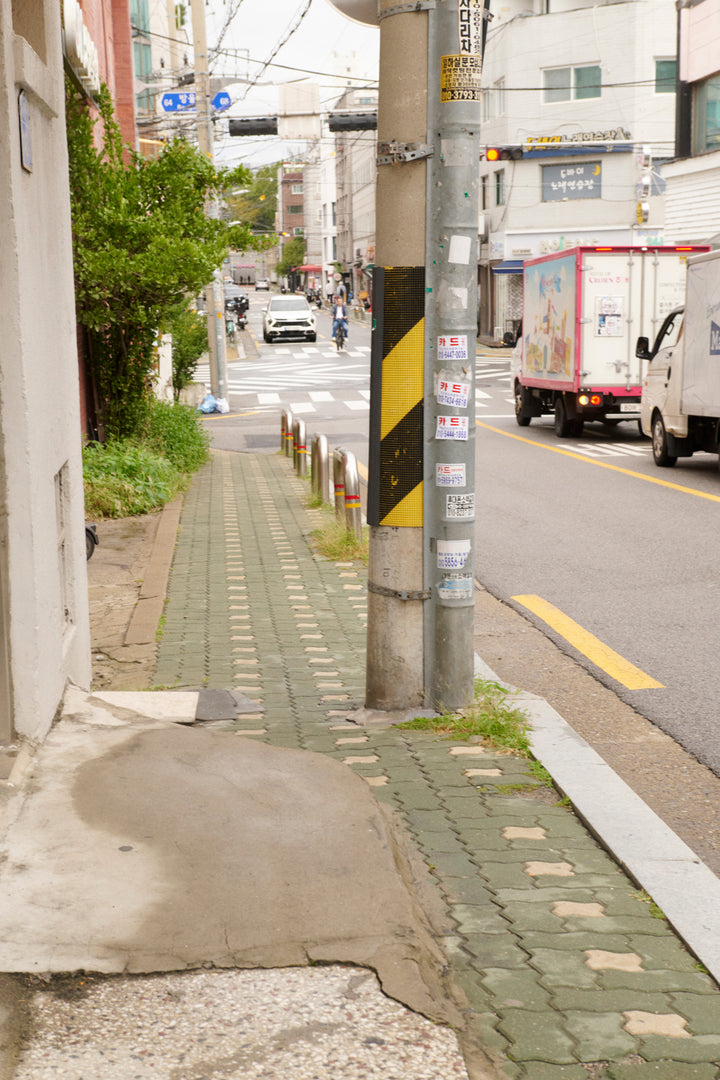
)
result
[(318, 302)]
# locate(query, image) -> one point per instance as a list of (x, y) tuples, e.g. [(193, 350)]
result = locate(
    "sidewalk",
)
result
[(498, 911)]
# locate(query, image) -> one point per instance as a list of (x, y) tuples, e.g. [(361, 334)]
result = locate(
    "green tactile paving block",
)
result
[(516, 989), (534, 918), (445, 842), (534, 1036), (662, 979), (660, 1070), (699, 1048), (542, 1070), (702, 1011), (484, 1027), (467, 890), (562, 967), (664, 951), (494, 950), (479, 919), (609, 1001), (449, 865)]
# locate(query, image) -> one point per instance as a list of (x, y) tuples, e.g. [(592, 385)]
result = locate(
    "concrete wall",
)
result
[(43, 585)]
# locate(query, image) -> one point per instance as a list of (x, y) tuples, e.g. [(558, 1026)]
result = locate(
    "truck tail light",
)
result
[(590, 399)]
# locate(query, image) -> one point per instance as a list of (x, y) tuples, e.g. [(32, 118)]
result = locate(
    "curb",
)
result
[(654, 856)]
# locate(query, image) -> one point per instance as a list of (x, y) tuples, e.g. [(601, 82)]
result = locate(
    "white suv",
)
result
[(289, 316)]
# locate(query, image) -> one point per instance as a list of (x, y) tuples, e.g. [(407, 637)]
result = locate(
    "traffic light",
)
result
[(352, 121), (503, 153), (254, 125)]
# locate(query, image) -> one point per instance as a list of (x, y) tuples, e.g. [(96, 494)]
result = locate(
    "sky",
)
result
[(324, 46)]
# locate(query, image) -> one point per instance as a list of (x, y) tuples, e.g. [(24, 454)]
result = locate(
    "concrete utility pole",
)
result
[(421, 501), (213, 291)]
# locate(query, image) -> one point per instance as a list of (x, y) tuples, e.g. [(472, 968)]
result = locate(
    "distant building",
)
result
[(572, 98), (692, 202)]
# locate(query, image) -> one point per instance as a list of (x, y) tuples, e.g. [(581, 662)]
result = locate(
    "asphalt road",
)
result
[(590, 526)]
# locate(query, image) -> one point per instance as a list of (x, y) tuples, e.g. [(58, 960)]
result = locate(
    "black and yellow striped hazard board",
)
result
[(395, 481)]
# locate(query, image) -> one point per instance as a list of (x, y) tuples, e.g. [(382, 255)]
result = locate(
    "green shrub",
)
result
[(189, 341), (176, 432), (123, 478)]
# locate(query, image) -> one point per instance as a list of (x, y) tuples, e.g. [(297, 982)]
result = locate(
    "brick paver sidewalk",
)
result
[(568, 971)]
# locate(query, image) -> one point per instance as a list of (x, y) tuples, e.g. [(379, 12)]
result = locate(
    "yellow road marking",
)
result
[(600, 654), (603, 464)]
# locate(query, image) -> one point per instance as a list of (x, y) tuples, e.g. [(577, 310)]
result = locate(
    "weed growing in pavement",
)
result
[(334, 541), (489, 717), (655, 911), (536, 769)]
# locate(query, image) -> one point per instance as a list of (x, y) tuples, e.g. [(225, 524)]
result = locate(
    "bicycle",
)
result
[(339, 337)]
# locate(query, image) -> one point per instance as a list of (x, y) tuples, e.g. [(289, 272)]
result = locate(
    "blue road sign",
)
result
[(178, 102), (221, 101)]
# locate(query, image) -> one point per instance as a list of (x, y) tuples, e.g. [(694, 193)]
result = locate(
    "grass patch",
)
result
[(123, 477), (490, 717), (334, 541)]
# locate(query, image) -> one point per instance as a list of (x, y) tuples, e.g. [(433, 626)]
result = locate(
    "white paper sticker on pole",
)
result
[(451, 474), (452, 554), (455, 587), (452, 347), (459, 250), (460, 506), (456, 394), (452, 427)]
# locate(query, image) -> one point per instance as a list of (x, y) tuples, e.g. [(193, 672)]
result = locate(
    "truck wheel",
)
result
[(660, 443), (563, 426), (521, 414)]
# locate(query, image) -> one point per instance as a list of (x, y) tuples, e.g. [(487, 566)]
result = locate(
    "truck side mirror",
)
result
[(642, 349)]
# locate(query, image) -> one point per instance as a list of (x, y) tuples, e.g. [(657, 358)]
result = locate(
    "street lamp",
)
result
[(362, 11)]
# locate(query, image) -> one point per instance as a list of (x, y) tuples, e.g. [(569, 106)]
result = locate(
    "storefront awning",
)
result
[(508, 266), (307, 269)]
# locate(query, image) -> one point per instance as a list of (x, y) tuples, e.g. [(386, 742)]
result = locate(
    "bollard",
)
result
[(299, 448), (320, 468), (353, 509), (338, 482), (347, 491), (286, 432)]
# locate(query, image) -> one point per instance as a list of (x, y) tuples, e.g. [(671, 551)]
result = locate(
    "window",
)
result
[(706, 115), (500, 187), (298, 232), (297, 189), (483, 193), (571, 84), (665, 74), (295, 209), (493, 100)]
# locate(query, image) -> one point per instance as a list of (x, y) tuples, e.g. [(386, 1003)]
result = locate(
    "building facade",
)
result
[(44, 621), (580, 104), (692, 204)]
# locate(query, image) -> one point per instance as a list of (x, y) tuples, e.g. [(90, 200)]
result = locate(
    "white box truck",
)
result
[(583, 310), (681, 390)]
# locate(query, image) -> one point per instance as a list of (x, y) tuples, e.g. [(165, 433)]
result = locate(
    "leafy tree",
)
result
[(189, 341), (293, 254), (142, 240), (256, 205)]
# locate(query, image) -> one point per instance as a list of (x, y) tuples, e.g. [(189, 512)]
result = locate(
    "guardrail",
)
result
[(341, 487)]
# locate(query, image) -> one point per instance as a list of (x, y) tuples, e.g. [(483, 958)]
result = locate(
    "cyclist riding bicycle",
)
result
[(339, 315)]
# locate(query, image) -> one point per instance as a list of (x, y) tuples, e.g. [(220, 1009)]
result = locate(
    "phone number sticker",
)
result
[(453, 393), (450, 475), (452, 554), (460, 506), (452, 427), (460, 78)]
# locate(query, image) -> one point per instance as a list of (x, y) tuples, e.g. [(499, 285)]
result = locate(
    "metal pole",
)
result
[(339, 482), (214, 291), (353, 508), (395, 669), (456, 34), (299, 448), (320, 468)]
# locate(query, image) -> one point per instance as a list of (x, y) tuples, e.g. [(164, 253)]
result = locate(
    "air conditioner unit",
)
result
[(482, 226)]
